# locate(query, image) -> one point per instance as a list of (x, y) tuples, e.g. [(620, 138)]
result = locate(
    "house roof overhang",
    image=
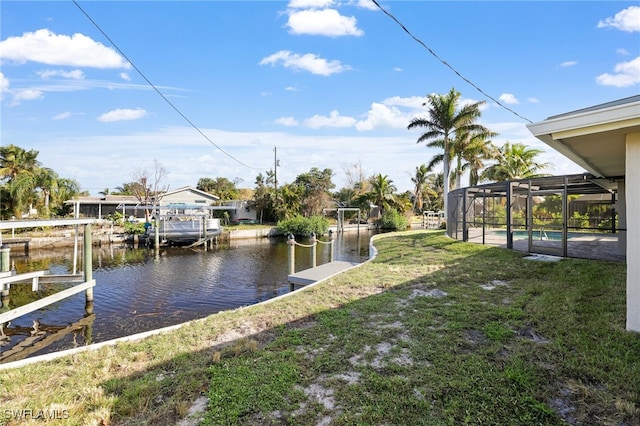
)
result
[(595, 137)]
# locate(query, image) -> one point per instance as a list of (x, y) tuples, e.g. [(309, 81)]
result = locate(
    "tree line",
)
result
[(465, 147), (26, 187)]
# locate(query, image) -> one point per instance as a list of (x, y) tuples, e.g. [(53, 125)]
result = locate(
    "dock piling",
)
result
[(5, 266), (291, 243), (88, 268), (314, 245)]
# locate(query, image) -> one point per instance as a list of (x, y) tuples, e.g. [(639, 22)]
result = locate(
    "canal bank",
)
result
[(105, 233), (139, 336), (140, 289)]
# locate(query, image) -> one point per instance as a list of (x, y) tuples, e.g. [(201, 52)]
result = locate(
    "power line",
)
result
[(445, 63), (160, 93)]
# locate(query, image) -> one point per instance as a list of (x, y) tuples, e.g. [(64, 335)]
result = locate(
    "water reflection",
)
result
[(138, 291)]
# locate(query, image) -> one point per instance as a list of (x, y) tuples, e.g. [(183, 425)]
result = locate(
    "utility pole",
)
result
[(275, 169)]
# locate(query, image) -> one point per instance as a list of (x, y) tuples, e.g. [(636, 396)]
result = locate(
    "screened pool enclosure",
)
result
[(538, 215)]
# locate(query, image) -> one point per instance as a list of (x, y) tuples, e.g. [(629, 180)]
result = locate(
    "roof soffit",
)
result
[(593, 138)]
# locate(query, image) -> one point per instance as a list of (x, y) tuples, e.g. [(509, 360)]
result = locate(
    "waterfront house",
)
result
[(102, 206), (605, 140)]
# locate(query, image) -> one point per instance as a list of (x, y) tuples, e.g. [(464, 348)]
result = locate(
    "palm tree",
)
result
[(47, 180), (515, 161), (22, 193), (444, 122), (127, 188), (66, 189), (15, 160), (420, 182), (382, 189), (471, 153), (435, 188)]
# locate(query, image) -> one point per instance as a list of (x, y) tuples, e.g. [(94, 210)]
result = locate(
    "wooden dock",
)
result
[(326, 270)]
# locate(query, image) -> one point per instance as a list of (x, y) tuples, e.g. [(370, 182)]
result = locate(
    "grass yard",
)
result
[(433, 331)]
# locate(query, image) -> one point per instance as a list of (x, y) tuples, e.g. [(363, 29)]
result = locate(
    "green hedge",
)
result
[(303, 226), (393, 220)]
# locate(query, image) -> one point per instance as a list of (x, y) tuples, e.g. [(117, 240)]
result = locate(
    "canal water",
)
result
[(138, 290)]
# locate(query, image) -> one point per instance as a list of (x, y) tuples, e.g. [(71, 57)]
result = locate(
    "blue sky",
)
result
[(331, 84)]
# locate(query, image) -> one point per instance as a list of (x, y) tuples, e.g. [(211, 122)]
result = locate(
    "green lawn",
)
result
[(433, 331)]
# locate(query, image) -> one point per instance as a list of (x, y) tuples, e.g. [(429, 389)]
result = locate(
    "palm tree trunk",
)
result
[(459, 173), (445, 180)]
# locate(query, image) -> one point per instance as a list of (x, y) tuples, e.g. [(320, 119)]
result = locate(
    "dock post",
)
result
[(314, 244), (88, 268), (331, 254), (204, 232), (5, 266), (291, 242), (291, 257), (156, 234)]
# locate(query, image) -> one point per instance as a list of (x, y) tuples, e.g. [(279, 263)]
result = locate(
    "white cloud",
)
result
[(62, 115), (74, 75), (365, 4), (396, 113), (125, 76), (307, 62), (509, 99), (392, 113), (291, 89), (415, 102), (334, 120), (326, 22), (122, 115), (26, 95), (46, 47), (623, 52), (626, 20), (625, 74), (4, 85), (381, 115), (567, 64), (533, 100), (307, 4), (287, 121)]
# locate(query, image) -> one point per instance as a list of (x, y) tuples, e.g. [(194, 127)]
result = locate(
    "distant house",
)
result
[(103, 206), (185, 199)]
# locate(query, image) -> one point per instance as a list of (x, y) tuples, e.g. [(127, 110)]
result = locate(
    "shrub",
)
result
[(393, 220), (134, 228), (303, 226), (579, 220), (116, 217)]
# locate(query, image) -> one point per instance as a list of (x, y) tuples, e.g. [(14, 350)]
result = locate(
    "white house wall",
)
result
[(632, 193), (187, 197)]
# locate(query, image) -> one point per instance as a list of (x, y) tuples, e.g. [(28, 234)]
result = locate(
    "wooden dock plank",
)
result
[(326, 270)]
